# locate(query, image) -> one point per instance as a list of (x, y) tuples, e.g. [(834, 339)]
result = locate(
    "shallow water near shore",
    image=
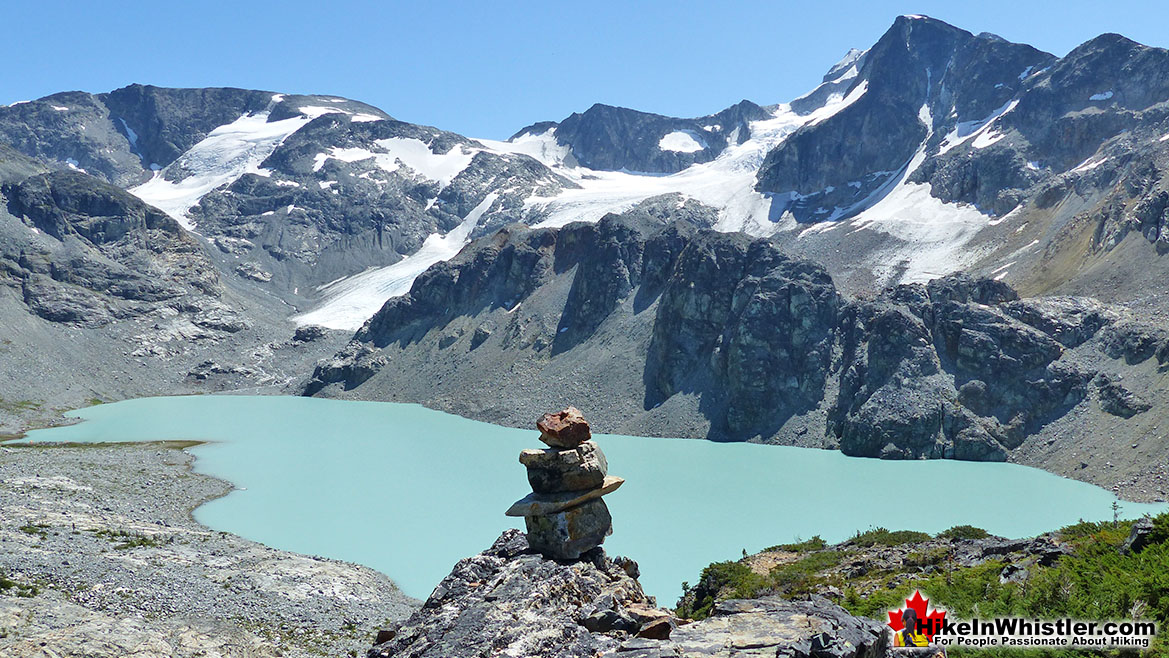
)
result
[(409, 491)]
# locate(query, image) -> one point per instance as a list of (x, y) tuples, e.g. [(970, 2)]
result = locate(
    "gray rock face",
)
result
[(772, 626), (1136, 342), (734, 320), (959, 368), (929, 88), (593, 607), (945, 371), (313, 218), (737, 319), (337, 201), (96, 254), (920, 62), (1118, 400), (617, 138)]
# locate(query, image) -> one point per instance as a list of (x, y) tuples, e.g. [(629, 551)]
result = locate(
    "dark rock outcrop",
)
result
[(1118, 400), (510, 601), (477, 606), (1138, 536), (617, 138), (921, 80), (945, 370), (958, 368), (737, 320)]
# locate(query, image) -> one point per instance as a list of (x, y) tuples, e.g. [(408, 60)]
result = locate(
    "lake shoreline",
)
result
[(1149, 486), (351, 480), (97, 534)]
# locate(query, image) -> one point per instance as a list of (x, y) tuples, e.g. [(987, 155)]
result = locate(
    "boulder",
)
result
[(578, 469), (658, 629), (773, 626), (1117, 400), (568, 534), (309, 333), (1138, 537), (564, 429)]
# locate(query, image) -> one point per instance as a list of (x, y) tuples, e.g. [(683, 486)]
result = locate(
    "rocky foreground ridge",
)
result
[(553, 591), (510, 600), (726, 337)]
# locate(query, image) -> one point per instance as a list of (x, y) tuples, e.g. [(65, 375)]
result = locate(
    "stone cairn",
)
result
[(564, 514)]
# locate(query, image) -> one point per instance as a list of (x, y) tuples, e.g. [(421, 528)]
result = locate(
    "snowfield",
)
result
[(227, 153), (930, 235), (351, 301), (933, 232)]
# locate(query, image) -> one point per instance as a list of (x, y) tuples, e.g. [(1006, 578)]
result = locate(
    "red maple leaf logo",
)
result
[(931, 620)]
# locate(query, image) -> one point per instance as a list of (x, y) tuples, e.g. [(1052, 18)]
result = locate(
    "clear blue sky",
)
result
[(489, 67)]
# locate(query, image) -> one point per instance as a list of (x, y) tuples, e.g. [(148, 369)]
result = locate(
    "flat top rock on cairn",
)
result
[(564, 429), (535, 504)]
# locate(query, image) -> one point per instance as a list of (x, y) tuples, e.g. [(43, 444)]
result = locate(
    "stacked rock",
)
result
[(564, 514)]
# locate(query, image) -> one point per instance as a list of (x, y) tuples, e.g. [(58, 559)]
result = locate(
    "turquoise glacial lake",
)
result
[(409, 491)]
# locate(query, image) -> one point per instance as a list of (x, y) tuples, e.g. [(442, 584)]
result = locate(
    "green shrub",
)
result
[(885, 537), (927, 557), (813, 544), (804, 575), (964, 532), (23, 590), (1160, 533), (37, 529), (1080, 530), (736, 578), (125, 540)]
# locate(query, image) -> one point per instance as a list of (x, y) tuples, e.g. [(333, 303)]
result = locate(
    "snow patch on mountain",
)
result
[(681, 141), (227, 153), (1089, 164), (933, 233), (314, 111), (836, 103), (542, 147), (349, 302), (726, 183), (413, 153), (980, 131), (847, 67)]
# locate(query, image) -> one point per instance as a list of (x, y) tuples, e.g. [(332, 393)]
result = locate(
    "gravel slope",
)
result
[(99, 556)]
